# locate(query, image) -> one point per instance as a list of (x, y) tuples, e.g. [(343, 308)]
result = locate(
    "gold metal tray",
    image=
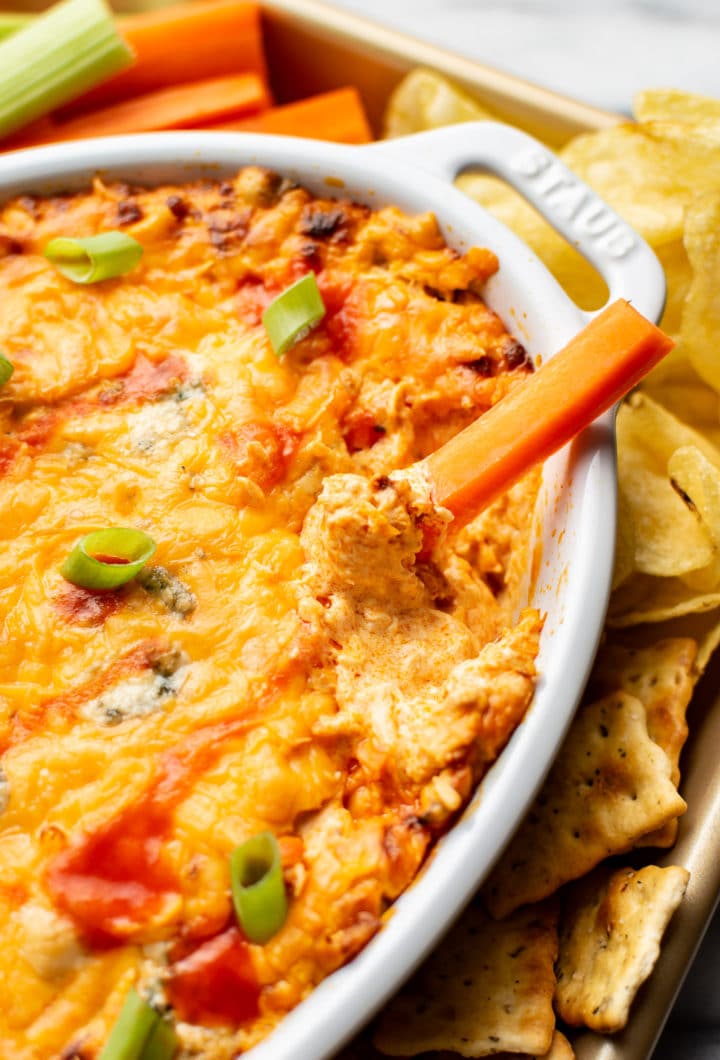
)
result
[(313, 47)]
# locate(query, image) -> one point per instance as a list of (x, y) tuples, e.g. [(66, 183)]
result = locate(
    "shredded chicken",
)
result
[(411, 675)]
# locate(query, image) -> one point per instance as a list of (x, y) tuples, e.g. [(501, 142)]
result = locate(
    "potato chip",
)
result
[(697, 482), (625, 545), (486, 989), (576, 275), (610, 940), (662, 677), (706, 630), (638, 176), (692, 401), (610, 785), (649, 179), (678, 274), (669, 538), (642, 598), (670, 104), (424, 100), (703, 629), (700, 333)]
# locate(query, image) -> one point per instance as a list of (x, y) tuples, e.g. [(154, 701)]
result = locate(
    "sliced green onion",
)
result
[(95, 258), (293, 314), (57, 57), (107, 558), (11, 22), (132, 1029), (258, 887), (6, 369), (162, 1043)]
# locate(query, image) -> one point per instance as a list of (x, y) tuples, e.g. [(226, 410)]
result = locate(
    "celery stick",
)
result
[(56, 58), (11, 23)]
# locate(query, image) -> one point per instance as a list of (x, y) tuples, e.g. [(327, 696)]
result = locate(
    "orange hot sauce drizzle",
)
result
[(113, 880), (216, 983)]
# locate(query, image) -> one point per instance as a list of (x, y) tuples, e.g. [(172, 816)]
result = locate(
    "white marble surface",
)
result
[(601, 53)]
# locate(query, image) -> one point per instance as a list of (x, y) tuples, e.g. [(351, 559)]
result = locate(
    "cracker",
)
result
[(609, 786), (559, 1050), (486, 989), (662, 677), (610, 941)]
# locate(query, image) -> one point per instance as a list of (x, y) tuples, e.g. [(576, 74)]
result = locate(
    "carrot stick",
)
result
[(190, 42), (180, 107), (584, 379), (338, 116)]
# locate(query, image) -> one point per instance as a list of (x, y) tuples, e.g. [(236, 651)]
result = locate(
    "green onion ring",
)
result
[(293, 314), (258, 887), (162, 1043), (6, 369), (135, 1028), (101, 257), (130, 549)]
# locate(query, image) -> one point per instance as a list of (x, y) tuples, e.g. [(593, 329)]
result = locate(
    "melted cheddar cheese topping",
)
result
[(295, 658)]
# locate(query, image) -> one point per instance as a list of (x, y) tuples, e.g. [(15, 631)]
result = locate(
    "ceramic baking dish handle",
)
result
[(623, 259)]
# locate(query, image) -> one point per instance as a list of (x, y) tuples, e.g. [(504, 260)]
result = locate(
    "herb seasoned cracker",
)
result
[(559, 1050), (662, 677), (610, 941), (610, 785), (486, 989)]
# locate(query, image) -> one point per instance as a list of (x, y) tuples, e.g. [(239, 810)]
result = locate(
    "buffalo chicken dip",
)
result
[(218, 775)]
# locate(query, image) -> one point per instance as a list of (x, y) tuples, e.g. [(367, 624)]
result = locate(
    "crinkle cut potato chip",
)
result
[(610, 785), (610, 940), (486, 989)]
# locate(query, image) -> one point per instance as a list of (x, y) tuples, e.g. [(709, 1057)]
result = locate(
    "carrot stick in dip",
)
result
[(583, 380)]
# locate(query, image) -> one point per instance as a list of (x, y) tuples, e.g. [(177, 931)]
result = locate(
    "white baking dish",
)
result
[(578, 495)]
